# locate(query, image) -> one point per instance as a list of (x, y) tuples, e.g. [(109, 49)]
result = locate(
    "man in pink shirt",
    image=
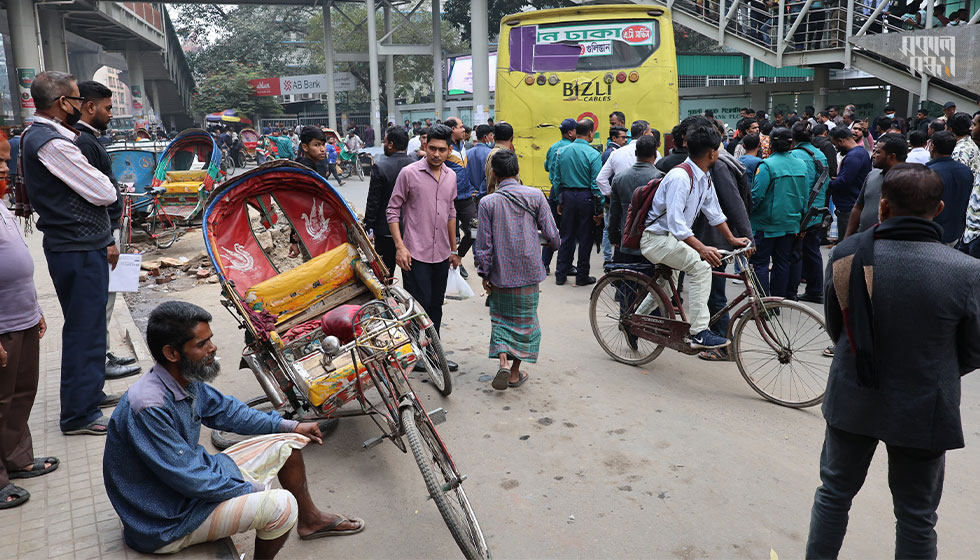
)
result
[(422, 218)]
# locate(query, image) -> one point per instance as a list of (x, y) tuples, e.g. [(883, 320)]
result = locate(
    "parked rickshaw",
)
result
[(141, 134), (331, 331), (188, 169), (134, 167), (250, 139)]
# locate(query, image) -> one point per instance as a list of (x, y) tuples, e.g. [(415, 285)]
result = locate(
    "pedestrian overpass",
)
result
[(938, 64), (80, 36)]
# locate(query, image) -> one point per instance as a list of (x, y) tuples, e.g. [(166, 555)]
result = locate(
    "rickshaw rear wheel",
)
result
[(433, 358), (444, 487), (221, 439)]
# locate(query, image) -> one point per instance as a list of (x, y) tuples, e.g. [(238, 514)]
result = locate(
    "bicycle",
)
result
[(227, 162), (154, 222), (633, 319)]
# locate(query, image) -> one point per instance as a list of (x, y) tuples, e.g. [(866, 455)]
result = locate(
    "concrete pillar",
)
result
[(84, 65), (437, 59), (759, 97), (821, 80), (328, 59), (155, 97), (53, 40), (389, 76), (902, 100), (27, 54), (481, 61), (136, 85), (372, 41)]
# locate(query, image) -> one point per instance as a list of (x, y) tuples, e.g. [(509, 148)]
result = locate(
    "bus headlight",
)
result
[(529, 80), (621, 77), (552, 79), (634, 76), (541, 79), (608, 78)]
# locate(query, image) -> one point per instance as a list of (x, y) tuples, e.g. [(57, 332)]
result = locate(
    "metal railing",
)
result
[(811, 25)]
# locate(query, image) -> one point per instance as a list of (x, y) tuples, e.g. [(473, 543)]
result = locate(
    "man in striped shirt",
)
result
[(70, 197)]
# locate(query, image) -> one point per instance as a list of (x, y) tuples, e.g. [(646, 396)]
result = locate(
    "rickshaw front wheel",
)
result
[(221, 439)]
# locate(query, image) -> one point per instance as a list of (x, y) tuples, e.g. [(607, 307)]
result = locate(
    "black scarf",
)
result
[(859, 315)]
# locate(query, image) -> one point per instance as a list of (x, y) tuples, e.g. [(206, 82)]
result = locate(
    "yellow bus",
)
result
[(583, 62)]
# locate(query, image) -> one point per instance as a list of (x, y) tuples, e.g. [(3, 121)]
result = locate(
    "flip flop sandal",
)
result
[(38, 470), (500, 380), (828, 352), (519, 382), (98, 427), (331, 531), (713, 356), (9, 490)]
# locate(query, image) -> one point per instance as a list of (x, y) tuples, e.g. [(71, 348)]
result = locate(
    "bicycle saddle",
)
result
[(646, 268), (157, 191)]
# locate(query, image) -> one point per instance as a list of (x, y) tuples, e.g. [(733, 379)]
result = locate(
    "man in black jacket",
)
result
[(383, 175), (904, 312), (96, 114)]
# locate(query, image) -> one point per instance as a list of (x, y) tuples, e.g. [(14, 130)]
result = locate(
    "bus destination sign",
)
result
[(629, 32)]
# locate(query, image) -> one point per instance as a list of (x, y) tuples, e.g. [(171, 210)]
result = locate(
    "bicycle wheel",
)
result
[(443, 484), (794, 374), (223, 440), (125, 233), (360, 169), (162, 230), (434, 360), (615, 298)]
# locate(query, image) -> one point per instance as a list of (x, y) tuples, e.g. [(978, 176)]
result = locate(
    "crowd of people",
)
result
[(897, 198)]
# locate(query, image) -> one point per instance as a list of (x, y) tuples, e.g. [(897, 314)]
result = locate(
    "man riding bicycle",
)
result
[(683, 193)]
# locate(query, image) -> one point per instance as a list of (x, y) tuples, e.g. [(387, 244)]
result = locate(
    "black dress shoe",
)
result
[(812, 298), (547, 270), (114, 360), (560, 280), (585, 281), (453, 366), (573, 271), (462, 272), (118, 372)]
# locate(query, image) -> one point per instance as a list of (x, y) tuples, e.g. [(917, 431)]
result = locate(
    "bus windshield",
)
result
[(592, 45)]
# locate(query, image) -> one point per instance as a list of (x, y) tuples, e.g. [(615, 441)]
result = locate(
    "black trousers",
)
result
[(547, 253), (385, 246), (427, 284), (578, 210), (81, 280), (915, 477), (808, 265), (465, 212)]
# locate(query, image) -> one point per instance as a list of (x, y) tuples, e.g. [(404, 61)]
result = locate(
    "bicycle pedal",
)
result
[(374, 441), (437, 416)]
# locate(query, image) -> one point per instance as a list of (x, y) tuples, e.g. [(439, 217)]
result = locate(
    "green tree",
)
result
[(229, 89), (458, 13)]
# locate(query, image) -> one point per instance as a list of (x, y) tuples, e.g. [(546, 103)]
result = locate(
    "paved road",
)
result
[(595, 459)]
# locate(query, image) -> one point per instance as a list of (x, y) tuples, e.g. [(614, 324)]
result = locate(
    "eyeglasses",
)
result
[(79, 99)]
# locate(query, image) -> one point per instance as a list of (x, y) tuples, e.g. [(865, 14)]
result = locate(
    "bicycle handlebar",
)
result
[(740, 251)]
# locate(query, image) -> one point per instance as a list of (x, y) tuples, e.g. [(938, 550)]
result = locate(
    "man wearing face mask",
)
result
[(96, 114), (70, 197)]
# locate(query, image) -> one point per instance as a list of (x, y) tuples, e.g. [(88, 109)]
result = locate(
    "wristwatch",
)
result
[(454, 253)]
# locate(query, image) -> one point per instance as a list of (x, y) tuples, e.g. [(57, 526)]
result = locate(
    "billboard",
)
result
[(460, 71), (309, 83)]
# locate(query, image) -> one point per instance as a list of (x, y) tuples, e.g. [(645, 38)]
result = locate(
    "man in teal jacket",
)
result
[(807, 262), (779, 197), (575, 170), (567, 128)]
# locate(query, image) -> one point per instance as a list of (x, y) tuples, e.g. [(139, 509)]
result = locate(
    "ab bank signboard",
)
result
[(295, 85)]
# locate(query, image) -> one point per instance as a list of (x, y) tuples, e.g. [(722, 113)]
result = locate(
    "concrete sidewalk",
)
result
[(69, 514)]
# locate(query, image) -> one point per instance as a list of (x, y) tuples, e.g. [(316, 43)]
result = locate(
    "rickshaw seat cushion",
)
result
[(189, 175), (291, 292), (339, 322), (185, 187)]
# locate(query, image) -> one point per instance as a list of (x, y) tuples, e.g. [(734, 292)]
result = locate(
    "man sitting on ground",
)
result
[(171, 493)]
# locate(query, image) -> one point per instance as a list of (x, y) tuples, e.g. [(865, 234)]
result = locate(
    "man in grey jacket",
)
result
[(904, 312), (623, 185)]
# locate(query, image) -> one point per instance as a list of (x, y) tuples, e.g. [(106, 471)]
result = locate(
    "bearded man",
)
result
[(168, 490)]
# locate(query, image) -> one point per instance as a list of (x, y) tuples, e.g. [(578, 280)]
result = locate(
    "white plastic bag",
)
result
[(456, 286)]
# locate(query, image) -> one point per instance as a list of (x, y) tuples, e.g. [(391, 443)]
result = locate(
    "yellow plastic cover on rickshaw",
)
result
[(293, 291), (182, 187), (197, 175), (338, 385)]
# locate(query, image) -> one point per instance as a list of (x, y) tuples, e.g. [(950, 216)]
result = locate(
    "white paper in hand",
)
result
[(456, 286), (126, 276)]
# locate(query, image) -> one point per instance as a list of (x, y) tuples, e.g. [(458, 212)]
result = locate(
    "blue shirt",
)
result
[(331, 153), (160, 480), (476, 167), (457, 162), (751, 163), (957, 186), (851, 173)]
